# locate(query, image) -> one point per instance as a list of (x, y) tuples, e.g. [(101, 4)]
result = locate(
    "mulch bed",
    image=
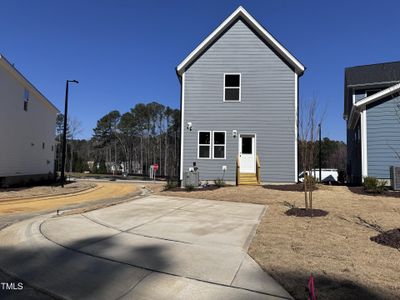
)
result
[(390, 238), (360, 190), (297, 187), (302, 212)]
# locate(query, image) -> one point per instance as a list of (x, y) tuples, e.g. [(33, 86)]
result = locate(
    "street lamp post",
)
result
[(320, 153), (64, 145)]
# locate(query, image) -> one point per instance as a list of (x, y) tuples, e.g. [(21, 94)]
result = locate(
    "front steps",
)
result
[(248, 179)]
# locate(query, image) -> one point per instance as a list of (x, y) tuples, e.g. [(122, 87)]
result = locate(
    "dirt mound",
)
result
[(302, 212), (390, 238)]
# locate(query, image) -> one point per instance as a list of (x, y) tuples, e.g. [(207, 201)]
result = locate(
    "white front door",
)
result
[(247, 153)]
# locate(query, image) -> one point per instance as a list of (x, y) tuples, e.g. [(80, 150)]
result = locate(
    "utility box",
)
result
[(395, 177), (191, 178)]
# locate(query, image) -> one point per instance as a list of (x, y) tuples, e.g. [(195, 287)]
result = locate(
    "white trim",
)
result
[(296, 97), (354, 115), (240, 88), (378, 95), (182, 124), (361, 105), (27, 84), (241, 12), (198, 144), (364, 143), (213, 144)]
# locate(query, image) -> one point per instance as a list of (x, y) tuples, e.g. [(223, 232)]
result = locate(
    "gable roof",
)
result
[(378, 96), (240, 12), (371, 74), (12, 70), (361, 104), (382, 74)]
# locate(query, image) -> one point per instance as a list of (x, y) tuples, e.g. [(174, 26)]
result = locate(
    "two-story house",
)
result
[(372, 114), (239, 105), (27, 129)]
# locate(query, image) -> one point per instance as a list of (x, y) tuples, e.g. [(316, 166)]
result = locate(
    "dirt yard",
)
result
[(43, 198), (335, 248), (44, 190)]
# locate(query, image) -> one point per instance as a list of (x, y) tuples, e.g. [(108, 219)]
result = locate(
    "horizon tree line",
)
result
[(146, 134)]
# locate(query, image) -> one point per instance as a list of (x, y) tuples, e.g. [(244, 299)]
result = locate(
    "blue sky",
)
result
[(125, 52)]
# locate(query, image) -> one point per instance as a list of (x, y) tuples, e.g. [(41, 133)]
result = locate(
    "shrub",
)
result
[(219, 182), (374, 185), (189, 187), (171, 184)]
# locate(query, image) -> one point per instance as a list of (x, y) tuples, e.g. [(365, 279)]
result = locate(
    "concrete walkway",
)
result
[(153, 248)]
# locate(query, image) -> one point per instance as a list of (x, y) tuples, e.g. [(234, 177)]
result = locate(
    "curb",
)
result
[(84, 191)]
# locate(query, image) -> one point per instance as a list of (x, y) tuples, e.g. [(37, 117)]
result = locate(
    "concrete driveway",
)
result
[(152, 248)]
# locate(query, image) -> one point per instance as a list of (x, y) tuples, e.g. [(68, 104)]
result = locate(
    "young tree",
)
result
[(308, 127), (396, 98)]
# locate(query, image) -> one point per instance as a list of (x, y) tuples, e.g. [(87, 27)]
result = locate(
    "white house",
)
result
[(27, 129)]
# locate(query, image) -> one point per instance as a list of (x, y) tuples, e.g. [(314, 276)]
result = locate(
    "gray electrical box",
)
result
[(191, 178), (395, 177)]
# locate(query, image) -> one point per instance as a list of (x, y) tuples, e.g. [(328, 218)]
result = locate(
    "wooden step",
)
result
[(248, 175), (248, 179), (249, 183)]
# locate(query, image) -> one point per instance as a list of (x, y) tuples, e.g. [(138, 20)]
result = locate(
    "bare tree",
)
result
[(308, 127), (75, 128), (396, 98)]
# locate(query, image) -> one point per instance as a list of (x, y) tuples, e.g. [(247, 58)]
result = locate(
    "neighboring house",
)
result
[(239, 101), (27, 129), (372, 114)]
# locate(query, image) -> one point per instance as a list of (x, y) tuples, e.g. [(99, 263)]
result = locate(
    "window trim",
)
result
[(198, 144), (240, 88), (213, 144)]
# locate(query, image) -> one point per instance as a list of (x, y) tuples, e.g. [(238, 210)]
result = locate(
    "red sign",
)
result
[(155, 167)]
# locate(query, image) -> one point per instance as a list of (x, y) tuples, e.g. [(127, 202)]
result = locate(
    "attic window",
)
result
[(232, 89), (26, 99)]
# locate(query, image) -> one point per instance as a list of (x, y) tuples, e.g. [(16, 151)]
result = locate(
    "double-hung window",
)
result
[(204, 144), (219, 144), (232, 87)]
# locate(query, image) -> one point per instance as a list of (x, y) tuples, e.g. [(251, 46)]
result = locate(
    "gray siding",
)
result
[(267, 106), (383, 135), (358, 95)]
